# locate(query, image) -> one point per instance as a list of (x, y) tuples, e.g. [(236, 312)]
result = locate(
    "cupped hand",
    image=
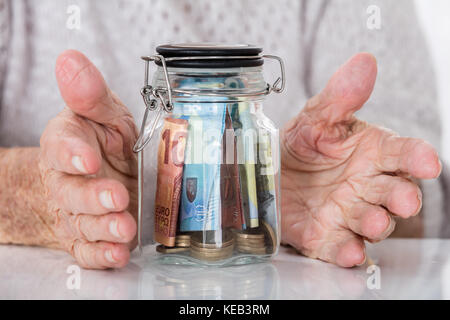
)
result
[(343, 180), (89, 169)]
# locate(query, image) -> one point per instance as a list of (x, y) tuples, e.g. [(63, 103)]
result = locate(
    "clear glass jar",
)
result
[(217, 198)]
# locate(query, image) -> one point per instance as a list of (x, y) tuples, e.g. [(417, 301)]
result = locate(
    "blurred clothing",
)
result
[(313, 37)]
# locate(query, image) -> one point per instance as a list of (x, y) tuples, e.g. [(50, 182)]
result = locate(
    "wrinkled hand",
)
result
[(343, 179), (89, 169)]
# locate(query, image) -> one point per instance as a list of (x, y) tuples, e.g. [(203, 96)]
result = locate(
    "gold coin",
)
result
[(201, 257), (212, 251), (212, 245), (242, 245), (163, 249), (270, 236), (251, 250), (253, 236), (183, 237), (250, 246), (183, 240), (183, 244), (198, 255), (199, 240), (251, 241)]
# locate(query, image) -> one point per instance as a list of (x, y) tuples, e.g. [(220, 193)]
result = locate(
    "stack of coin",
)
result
[(182, 244), (183, 240), (250, 242), (261, 240), (212, 251)]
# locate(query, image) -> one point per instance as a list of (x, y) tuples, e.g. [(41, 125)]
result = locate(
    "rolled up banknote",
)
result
[(246, 149), (170, 175), (230, 184), (266, 174), (200, 199)]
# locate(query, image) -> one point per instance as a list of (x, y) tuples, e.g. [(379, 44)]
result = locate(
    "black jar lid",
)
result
[(193, 50)]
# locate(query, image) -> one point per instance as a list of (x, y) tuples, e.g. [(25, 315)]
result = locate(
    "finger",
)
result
[(67, 148), (94, 196), (370, 221), (84, 90), (339, 246), (346, 92), (100, 255), (413, 156), (350, 253), (342, 247), (399, 195), (113, 227)]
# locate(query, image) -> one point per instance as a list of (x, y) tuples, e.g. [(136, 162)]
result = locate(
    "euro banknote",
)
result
[(170, 174), (246, 149), (200, 208)]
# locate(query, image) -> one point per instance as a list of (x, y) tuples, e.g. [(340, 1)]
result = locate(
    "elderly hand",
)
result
[(89, 169), (343, 179)]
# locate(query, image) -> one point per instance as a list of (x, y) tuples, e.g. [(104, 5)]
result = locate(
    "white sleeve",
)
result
[(4, 36)]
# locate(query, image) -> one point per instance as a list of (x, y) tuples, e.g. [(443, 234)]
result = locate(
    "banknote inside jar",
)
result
[(227, 205)]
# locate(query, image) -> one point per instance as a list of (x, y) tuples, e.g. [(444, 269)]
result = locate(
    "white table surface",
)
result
[(409, 269)]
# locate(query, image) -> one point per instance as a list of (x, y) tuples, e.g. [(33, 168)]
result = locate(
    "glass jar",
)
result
[(217, 199)]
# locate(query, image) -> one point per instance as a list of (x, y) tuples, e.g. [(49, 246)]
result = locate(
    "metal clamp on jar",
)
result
[(217, 199)]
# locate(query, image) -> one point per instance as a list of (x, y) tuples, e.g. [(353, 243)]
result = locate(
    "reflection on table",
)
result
[(408, 269)]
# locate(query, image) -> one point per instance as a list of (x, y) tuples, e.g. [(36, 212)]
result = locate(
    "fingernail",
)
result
[(109, 256), (419, 206), (106, 199), (365, 259), (440, 169), (389, 229), (77, 162), (114, 228), (362, 263)]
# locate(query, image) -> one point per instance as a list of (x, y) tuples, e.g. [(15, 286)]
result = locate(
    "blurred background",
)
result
[(434, 16)]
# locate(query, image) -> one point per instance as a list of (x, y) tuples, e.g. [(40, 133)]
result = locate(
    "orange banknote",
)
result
[(170, 176)]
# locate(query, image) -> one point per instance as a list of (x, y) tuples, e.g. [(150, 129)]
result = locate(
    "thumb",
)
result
[(347, 90), (84, 90)]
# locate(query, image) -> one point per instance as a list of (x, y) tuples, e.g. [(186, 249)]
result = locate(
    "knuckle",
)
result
[(51, 130), (48, 179), (78, 251), (78, 226), (47, 133)]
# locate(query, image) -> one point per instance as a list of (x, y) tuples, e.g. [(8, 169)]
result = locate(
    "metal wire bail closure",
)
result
[(161, 100)]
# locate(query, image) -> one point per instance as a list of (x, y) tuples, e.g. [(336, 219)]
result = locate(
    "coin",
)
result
[(183, 237), (212, 245), (251, 247), (183, 240), (208, 258), (183, 244), (163, 249), (220, 255), (198, 242), (251, 250), (212, 250), (254, 236), (251, 241)]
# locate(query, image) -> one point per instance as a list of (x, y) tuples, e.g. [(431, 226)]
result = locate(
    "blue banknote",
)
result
[(200, 208)]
